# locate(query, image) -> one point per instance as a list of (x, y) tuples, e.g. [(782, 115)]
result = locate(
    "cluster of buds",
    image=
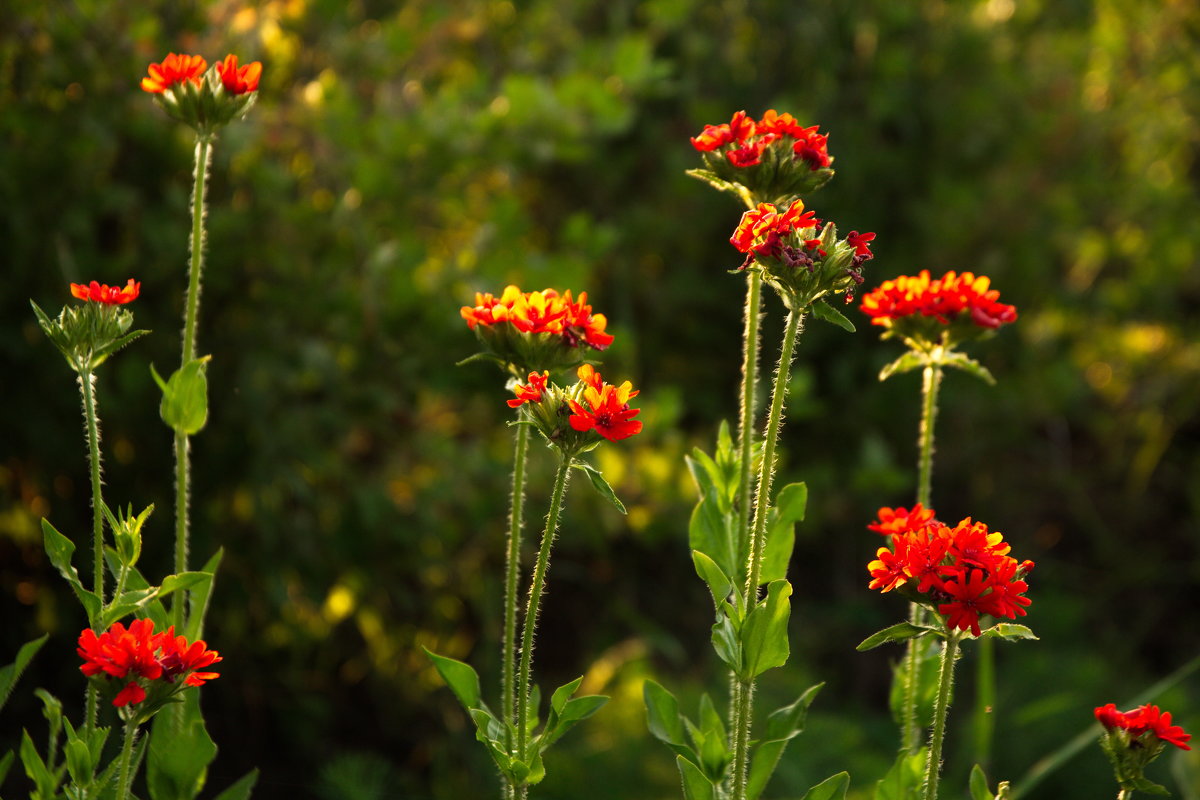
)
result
[(151, 666), (577, 417), (927, 312), (774, 157), (205, 98), (1132, 739), (529, 331), (87, 335), (963, 572), (801, 259)]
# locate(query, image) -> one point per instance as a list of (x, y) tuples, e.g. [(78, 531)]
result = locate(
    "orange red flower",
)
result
[(605, 408), (751, 138), (109, 295), (532, 392), (1143, 721), (965, 570), (142, 657), (536, 330), (239, 80), (174, 69), (953, 296)]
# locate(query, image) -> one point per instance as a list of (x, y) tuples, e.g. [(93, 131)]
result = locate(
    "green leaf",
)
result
[(710, 740), (978, 785), (460, 677), (783, 725), (558, 700), (136, 599), (906, 363), (495, 359), (897, 633), (662, 713), (600, 485), (833, 787), (6, 764), (764, 634), (718, 583), (1148, 786), (184, 405), (10, 674), (714, 533), (970, 365), (60, 549), (79, 761), (198, 597), (822, 310), (903, 780), (574, 712), (695, 785), (1008, 632), (240, 790), (725, 639), (44, 782), (790, 506), (115, 345), (180, 751), (712, 180)]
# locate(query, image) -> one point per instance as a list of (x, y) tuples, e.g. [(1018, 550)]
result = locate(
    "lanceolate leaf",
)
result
[(833, 788), (896, 633), (719, 584), (460, 677), (790, 505), (1007, 631), (822, 310), (9, 675), (713, 533), (240, 790), (600, 485), (60, 549), (198, 597), (695, 785), (783, 724), (903, 780), (970, 365), (906, 363), (978, 785)]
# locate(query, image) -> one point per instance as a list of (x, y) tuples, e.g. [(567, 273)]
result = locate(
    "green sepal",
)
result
[(459, 676), (790, 505), (59, 549), (783, 725), (241, 789), (127, 531), (10, 674), (764, 634), (903, 780), (567, 712), (600, 484), (970, 365), (184, 405), (822, 310), (830, 788), (695, 785), (896, 633), (719, 584), (911, 360), (1008, 632), (180, 751)]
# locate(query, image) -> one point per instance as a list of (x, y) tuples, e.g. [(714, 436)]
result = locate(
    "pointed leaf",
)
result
[(718, 583), (134, 600), (198, 598), (10, 674), (783, 724), (822, 310), (180, 751), (60, 549), (6, 764), (695, 785), (906, 363), (36, 770), (460, 677), (833, 788), (903, 780), (116, 344), (574, 712), (662, 713), (970, 365), (1008, 632), (790, 506), (601, 485), (978, 785), (714, 534), (764, 635), (712, 180), (725, 639), (896, 633), (240, 790)]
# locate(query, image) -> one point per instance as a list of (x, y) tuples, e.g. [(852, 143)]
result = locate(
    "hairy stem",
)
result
[(508, 661), (762, 502), (930, 385), (124, 777), (933, 766), (87, 382), (536, 587)]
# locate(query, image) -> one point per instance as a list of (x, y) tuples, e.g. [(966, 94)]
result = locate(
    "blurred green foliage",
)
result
[(403, 156)]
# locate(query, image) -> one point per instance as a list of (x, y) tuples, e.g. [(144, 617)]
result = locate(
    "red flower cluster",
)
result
[(901, 520), (239, 80), (944, 299), (1143, 720), (173, 70), (108, 295), (965, 570), (139, 654), (747, 139), (770, 229), (607, 410), (531, 392), (541, 312)]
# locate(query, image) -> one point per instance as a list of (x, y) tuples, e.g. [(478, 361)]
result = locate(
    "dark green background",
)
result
[(403, 156)]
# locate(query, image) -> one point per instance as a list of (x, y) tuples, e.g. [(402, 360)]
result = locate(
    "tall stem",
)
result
[(87, 382), (749, 384), (932, 381), (537, 585), (933, 765), (509, 660), (191, 312), (124, 776), (762, 502)]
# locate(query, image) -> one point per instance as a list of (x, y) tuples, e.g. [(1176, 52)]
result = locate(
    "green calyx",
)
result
[(207, 106), (88, 334)]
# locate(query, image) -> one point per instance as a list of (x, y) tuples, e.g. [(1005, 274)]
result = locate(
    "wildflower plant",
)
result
[(1133, 739), (530, 335)]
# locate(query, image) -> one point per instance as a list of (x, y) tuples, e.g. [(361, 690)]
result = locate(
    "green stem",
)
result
[(87, 385), (746, 422), (932, 381), (933, 765), (762, 502), (537, 585), (191, 312), (508, 662), (124, 776)]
